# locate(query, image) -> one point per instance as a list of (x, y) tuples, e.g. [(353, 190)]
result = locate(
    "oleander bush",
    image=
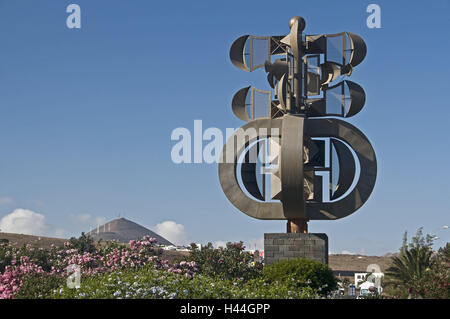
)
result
[(18, 265), (231, 262), (435, 283), (159, 284), (136, 270)]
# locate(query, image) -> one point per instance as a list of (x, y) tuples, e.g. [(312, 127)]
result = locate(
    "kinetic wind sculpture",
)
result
[(315, 166)]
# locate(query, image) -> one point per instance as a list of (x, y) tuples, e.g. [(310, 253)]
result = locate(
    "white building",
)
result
[(367, 287), (364, 285), (360, 277)]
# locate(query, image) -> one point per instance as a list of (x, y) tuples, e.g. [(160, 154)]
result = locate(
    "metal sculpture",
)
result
[(315, 166)]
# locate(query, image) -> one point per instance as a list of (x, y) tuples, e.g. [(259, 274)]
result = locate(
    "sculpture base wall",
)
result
[(281, 246)]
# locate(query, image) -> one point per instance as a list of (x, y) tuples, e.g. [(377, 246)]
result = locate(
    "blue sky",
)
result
[(86, 115)]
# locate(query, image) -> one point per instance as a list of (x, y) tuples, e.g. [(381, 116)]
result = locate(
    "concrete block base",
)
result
[(281, 246)]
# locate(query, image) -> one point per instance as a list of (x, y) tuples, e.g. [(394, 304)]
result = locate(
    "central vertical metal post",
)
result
[(297, 226), (297, 25), (297, 77)]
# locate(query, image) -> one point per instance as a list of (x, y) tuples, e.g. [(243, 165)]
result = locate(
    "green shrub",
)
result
[(6, 256), (39, 286), (417, 271), (231, 262), (84, 244), (39, 256), (148, 283), (301, 273)]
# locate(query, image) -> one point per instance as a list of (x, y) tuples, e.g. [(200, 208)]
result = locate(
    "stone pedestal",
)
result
[(295, 245)]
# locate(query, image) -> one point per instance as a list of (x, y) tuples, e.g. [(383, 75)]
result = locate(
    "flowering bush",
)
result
[(150, 283), (186, 268), (29, 263), (113, 270), (435, 283), (11, 279), (10, 255), (231, 262)]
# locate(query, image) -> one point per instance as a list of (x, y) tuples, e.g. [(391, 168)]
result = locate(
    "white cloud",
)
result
[(346, 252), (6, 200), (28, 222), (173, 232), (24, 221)]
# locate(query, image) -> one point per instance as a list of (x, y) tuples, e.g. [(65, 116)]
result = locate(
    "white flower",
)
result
[(172, 295)]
